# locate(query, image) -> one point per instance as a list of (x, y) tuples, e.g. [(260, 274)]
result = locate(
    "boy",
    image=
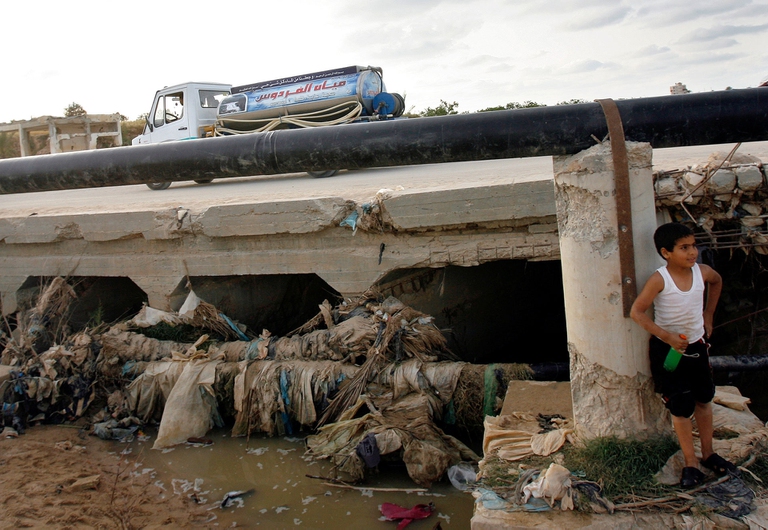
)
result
[(683, 321)]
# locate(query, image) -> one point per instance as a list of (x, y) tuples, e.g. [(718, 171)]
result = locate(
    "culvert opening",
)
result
[(96, 299), (279, 303), (741, 323), (509, 311)]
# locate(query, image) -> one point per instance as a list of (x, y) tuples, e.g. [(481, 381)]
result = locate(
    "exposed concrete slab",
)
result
[(157, 249), (532, 199), (164, 224), (280, 217), (538, 397)]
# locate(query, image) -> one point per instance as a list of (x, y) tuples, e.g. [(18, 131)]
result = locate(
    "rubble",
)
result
[(725, 196), (86, 483)]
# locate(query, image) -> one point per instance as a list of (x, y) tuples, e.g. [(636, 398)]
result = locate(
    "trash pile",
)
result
[(374, 375), (396, 426), (51, 372), (727, 197), (508, 483), (516, 436)]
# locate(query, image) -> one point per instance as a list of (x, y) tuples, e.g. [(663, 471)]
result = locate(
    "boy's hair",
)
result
[(667, 235)]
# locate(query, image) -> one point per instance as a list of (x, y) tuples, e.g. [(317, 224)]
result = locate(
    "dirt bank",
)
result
[(40, 468)]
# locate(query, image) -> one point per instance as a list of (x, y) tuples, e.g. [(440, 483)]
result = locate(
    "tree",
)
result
[(443, 109), (74, 109), (573, 102), (514, 105)]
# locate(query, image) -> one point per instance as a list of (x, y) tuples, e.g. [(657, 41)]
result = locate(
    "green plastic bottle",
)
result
[(673, 358)]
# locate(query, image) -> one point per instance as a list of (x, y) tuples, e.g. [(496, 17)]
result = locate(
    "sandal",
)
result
[(691, 477), (720, 465)]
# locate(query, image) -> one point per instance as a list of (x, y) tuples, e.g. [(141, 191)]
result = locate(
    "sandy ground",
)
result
[(39, 468)]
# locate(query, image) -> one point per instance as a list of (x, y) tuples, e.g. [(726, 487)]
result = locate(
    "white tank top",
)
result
[(679, 311)]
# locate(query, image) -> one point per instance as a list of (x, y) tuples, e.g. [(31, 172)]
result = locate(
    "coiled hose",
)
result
[(341, 113)]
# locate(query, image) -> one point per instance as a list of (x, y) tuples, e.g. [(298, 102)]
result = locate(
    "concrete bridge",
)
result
[(350, 242), (245, 242)]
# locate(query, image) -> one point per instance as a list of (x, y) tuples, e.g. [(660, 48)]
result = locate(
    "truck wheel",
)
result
[(204, 181), (323, 174), (159, 186)]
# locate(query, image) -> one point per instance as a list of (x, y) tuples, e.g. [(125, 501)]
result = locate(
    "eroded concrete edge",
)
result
[(596, 389)]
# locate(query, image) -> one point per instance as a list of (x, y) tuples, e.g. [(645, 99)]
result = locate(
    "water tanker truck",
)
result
[(331, 97)]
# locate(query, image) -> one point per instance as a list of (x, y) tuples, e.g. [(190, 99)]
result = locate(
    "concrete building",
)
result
[(76, 133)]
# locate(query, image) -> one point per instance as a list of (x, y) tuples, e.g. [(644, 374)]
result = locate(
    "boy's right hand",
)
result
[(677, 342)]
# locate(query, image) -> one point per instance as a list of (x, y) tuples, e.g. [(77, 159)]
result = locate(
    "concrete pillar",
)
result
[(90, 139), (24, 141), (8, 287), (53, 137), (158, 289), (611, 382)]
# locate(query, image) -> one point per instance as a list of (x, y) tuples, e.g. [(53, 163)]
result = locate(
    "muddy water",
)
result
[(283, 497)]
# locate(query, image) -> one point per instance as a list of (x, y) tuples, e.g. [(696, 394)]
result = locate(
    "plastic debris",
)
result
[(114, 430), (351, 221), (393, 512), (553, 485), (9, 432), (232, 496), (463, 476), (368, 450)]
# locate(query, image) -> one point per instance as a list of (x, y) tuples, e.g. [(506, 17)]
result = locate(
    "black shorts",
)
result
[(689, 384)]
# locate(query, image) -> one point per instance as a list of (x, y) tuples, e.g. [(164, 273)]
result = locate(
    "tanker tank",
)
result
[(330, 97)]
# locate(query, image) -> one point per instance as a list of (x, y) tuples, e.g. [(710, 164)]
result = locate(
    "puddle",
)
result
[(283, 497)]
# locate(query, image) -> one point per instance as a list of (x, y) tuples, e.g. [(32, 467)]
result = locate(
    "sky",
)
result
[(478, 53)]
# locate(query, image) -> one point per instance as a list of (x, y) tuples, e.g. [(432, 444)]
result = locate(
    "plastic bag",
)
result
[(462, 475)]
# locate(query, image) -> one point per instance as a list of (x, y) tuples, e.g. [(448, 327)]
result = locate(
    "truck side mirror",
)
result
[(148, 123)]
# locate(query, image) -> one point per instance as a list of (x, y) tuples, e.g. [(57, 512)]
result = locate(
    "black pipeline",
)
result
[(669, 121), (720, 363)]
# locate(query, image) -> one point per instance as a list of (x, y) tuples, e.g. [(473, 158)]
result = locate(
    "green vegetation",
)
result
[(514, 105), (622, 467), (443, 109), (573, 102), (184, 333), (97, 317), (74, 109), (9, 145), (446, 108), (760, 470), (131, 129)]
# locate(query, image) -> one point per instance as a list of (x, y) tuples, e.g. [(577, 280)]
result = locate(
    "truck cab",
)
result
[(182, 112)]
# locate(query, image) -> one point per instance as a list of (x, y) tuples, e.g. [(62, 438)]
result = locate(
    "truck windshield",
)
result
[(210, 99)]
